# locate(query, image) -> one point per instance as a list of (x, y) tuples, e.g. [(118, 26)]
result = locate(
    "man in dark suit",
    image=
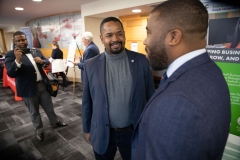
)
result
[(117, 85), (26, 68), (90, 51), (188, 117)]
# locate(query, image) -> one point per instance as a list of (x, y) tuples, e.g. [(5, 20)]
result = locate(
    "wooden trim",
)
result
[(4, 42)]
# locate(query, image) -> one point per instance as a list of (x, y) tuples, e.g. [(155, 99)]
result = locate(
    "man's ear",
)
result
[(101, 37), (174, 37)]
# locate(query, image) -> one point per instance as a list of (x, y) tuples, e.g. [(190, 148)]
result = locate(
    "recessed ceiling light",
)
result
[(37, 0), (19, 8), (136, 10)]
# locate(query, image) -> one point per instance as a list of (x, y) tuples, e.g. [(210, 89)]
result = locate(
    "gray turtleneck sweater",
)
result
[(119, 84)]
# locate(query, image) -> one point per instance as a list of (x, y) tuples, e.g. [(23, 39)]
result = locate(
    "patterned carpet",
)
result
[(17, 136)]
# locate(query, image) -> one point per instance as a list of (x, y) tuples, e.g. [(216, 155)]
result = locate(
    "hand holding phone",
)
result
[(18, 55)]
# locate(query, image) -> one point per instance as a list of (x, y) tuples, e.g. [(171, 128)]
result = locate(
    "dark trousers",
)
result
[(120, 140), (64, 77), (44, 99)]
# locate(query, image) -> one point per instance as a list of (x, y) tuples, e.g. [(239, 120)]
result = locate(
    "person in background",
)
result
[(188, 117), (117, 85), (31, 82), (90, 51), (57, 62)]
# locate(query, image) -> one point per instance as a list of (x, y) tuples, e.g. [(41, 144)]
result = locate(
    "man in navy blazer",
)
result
[(90, 51), (188, 117), (117, 85), (25, 66)]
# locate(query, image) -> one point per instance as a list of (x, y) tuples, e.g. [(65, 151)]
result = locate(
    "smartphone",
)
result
[(26, 50)]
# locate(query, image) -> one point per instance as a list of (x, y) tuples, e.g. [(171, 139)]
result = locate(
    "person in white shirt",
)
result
[(25, 65)]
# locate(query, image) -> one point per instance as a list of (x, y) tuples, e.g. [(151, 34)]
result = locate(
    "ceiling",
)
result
[(33, 10)]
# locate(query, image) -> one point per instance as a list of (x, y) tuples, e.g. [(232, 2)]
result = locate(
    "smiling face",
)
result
[(155, 44), (113, 37), (20, 41)]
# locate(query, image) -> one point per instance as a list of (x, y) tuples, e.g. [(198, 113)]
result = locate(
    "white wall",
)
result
[(93, 25), (8, 40), (103, 6)]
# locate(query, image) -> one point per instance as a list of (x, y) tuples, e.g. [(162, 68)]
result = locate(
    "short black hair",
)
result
[(108, 19), (190, 16), (17, 33)]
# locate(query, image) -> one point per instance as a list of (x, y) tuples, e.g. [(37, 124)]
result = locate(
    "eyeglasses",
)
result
[(20, 40)]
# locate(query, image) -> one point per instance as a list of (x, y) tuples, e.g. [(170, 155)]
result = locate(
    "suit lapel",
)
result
[(102, 69), (133, 68), (27, 60)]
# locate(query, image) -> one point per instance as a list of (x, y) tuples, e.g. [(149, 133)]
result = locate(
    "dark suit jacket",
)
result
[(95, 100), (188, 117), (90, 51), (26, 77), (57, 54)]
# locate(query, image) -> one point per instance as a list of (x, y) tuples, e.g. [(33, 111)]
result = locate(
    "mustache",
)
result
[(111, 44)]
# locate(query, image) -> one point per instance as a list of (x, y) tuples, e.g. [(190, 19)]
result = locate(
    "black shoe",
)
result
[(40, 136), (60, 124)]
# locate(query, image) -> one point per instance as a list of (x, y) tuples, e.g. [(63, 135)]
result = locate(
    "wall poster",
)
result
[(223, 47), (61, 28)]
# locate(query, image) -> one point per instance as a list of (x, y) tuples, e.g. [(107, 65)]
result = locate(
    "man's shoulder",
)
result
[(93, 60), (138, 55), (93, 46), (9, 53), (37, 50)]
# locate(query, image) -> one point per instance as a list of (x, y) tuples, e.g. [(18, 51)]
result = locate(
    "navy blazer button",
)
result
[(107, 125)]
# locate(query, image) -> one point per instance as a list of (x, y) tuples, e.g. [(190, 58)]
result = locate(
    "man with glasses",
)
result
[(25, 66)]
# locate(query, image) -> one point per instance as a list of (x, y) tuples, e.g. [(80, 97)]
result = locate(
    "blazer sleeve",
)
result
[(86, 105), (179, 128), (47, 62), (11, 66), (88, 53)]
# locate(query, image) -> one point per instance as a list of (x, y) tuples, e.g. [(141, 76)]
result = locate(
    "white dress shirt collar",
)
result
[(183, 59)]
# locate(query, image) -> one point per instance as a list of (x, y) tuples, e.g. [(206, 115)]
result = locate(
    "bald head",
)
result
[(190, 16)]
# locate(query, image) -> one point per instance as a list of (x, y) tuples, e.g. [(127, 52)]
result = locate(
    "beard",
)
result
[(157, 57), (116, 51)]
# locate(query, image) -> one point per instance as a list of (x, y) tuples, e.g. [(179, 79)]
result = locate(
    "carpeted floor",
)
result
[(17, 136)]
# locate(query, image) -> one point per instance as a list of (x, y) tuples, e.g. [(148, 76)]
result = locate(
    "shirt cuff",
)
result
[(18, 64)]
